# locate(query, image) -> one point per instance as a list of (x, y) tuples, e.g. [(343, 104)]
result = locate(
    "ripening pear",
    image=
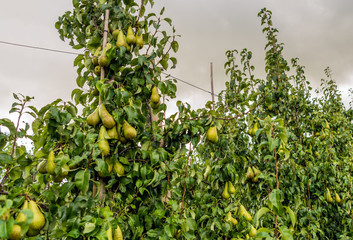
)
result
[(113, 133), (242, 212), (225, 193), (93, 119), (97, 70), (337, 198), (231, 188), (256, 171), (130, 37), (42, 167), (129, 131), (38, 217), (118, 168), (229, 218), (252, 232), (103, 60), (250, 173), (95, 56), (16, 232), (207, 172), (328, 196), (103, 143), (6, 215), (51, 165), (155, 98), (212, 135), (107, 119), (118, 235), (120, 42), (21, 217), (139, 41), (109, 233), (115, 33)]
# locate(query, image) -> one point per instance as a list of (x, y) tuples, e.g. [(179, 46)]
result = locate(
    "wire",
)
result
[(72, 53)]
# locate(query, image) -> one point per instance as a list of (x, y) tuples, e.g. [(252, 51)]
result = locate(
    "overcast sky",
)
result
[(318, 32)]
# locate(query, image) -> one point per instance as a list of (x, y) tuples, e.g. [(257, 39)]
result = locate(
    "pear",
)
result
[(103, 143), (95, 56), (155, 105), (225, 193), (38, 221), (97, 70), (129, 131), (6, 215), (115, 33), (139, 40), (65, 169), (32, 233), (242, 212), (108, 161), (93, 119), (109, 233), (120, 137), (103, 60), (57, 178), (252, 232), (231, 188), (120, 42), (21, 217), (256, 171), (107, 119), (113, 133), (337, 198), (250, 173), (328, 196), (207, 172), (130, 37), (118, 235), (212, 135), (230, 219), (118, 168), (155, 98), (16, 232), (42, 167), (51, 163)]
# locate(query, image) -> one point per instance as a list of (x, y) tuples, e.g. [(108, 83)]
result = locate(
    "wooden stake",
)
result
[(105, 39)]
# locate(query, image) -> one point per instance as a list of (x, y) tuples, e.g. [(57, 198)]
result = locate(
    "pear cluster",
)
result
[(252, 174), (329, 198), (155, 99), (35, 225), (57, 173), (252, 131), (117, 235)]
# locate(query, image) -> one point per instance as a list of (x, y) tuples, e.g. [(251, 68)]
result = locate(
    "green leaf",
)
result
[(9, 124), (292, 216), (259, 214), (5, 158), (82, 180), (175, 46), (89, 227)]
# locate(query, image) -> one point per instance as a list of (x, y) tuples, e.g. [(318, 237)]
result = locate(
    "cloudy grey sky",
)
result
[(319, 32)]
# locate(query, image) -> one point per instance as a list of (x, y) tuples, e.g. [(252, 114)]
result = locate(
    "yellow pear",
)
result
[(113, 133), (139, 40), (129, 131), (118, 235), (231, 188), (225, 193), (93, 119), (250, 173), (242, 212), (95, 56), (21, 217), (103, 60), (16, 232), (107, 119), (42, 167), (130, 37), (337, 198), (51, 165), (120, 42), (230, 219), (109, 233), (38, 221), (155, 98), (103, 143), (328, 196), (207, 172), (256, 171), (252, 232), (212, 135), (118, 168), (97, 70)]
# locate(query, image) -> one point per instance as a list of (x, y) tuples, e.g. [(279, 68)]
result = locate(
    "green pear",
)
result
[(95, 56), (231, 188), (120, 42), (230, 219), (93, 119), (120, 137), (139, 41), (107, 119), (155, 105), (118, 235), (21, 217), (328, 196), (207, 172), (115, 33), (242, 212), (42, 167), (103, 60), (337, 198), (65, 169), (130, 37), (103, 143), (5, 215), (109, 163), (113, 133), (225, 193), (256, 171), (97, 70), (129, 131), (155, 98), (212, 135), (16, 232), (118, 168), (51, 165), (250, 173), (252, 232), (109, 233), (38, 221)]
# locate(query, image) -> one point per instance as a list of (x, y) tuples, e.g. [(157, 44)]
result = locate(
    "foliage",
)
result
[(280, 147)]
